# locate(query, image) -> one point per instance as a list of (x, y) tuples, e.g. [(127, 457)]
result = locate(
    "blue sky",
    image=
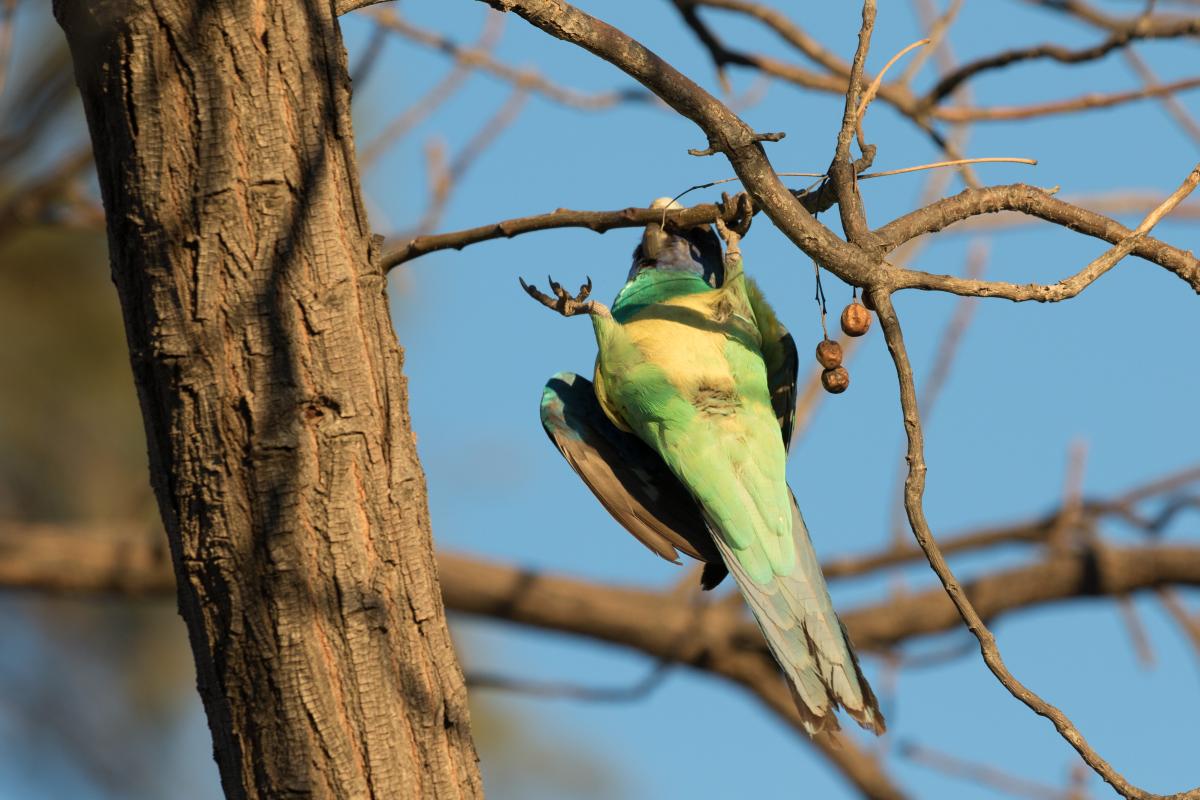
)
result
[(1031, 380), (1115, 369)]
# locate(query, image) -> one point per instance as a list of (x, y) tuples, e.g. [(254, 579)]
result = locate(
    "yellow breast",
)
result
[(686, 337)]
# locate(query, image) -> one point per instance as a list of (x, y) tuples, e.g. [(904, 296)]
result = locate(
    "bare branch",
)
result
[(1158, 26), (943, 360), (1083, 102), (873, 89), (787, 30), (41, 198), (842, 171), (1173, 105), (726, 132), (1068, 287), (981, 774), (597, 221), (667, 627), (913, 494), (1118, 39), (445, 180), (1133, 202), (1188, 622), (129, 560), (442, 91), (938, 27), (572, 691), (958, 162), (1035, 202), (480, 58), (1035, 531)]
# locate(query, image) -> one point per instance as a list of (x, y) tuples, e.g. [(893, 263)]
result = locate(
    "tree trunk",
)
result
[(270, 381)]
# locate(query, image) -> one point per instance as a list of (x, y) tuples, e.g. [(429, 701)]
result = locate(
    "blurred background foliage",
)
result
[(97, 696)]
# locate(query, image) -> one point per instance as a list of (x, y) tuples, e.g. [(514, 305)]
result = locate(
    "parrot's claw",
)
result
[(733, 232), (564, 302)]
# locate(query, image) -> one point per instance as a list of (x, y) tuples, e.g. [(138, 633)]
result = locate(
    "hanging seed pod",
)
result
[(867, 301), (855, 319), (835, 380), (829, 354)]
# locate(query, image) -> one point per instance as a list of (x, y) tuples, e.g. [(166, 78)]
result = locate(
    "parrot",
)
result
[(682, 435)]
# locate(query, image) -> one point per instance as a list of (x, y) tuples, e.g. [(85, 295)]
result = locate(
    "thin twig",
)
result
[(1034, 531), (953, 144), (369, 59), (938, 28), (981, 774), (525, 78), (1170, 102), (573, 691), (448, 178), (913, 493), (1071, 518), (943, 361), (787, 30), (1162, 26), (596, 221), (1113, 204), (867, 175), (869, 95), (1137, 631), (947, 85), (958, 162), (1070, 105), (1188, 622), (843, 170), (854, 91), (809, 399), (1068, 287), (442, 91)]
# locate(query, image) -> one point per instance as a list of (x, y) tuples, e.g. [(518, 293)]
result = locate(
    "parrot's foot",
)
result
[(563, 302), (732, 234)]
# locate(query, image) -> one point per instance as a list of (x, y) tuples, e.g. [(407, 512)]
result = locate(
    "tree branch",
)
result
[(726, 132), (1034, 531), (479, 58), (1152, 26), (914, 489), (128, 561), (1091, 100), (719, 639), (1118, 39), (598, 221), (1037, 203)]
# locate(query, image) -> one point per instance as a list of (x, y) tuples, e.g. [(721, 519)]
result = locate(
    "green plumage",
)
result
[(706, 378), (703, 404)]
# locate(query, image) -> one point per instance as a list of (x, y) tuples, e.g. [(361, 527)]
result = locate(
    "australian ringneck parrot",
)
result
[(683, 437)]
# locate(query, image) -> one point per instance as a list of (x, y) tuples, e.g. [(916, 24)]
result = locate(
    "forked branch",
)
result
[(914, 489)]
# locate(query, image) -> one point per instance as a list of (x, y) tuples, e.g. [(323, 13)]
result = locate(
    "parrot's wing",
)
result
[(627, 477), (779, 356), (782, 365)]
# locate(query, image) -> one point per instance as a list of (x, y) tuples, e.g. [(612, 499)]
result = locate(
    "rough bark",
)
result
[(270, 381)]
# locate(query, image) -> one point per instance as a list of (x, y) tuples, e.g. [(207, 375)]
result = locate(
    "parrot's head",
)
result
[(696, 249)]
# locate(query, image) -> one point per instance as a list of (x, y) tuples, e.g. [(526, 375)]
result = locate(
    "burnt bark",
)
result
[(270, 382)]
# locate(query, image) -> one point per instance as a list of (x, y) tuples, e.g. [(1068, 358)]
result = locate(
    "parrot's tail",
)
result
[(804, 633)]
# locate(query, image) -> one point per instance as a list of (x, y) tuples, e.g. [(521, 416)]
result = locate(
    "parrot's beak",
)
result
[(654, 241)]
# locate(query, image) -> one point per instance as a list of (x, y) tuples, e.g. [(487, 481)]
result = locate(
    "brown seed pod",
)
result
[(835, 380), (867, 301), (829, 354), (855, 319)]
